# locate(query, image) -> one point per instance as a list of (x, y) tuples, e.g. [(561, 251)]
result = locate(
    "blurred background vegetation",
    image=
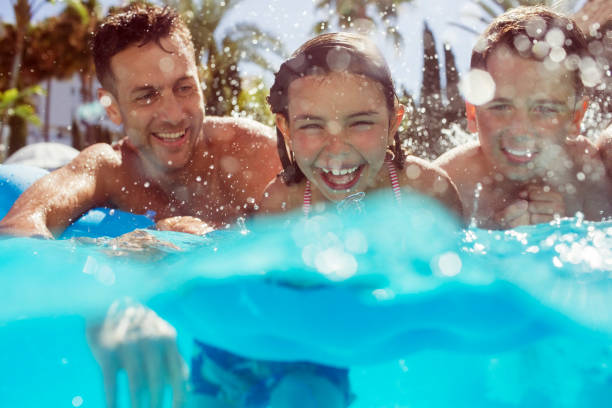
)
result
[(33, 52)]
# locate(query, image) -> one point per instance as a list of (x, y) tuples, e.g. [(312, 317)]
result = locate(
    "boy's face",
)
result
[(158, 100), (522, 130)]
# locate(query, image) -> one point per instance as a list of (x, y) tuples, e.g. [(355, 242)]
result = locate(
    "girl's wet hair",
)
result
[(333, 52)]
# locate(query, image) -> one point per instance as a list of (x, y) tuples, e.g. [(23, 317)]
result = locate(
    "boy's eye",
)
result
[(499, 107), (546, 109)]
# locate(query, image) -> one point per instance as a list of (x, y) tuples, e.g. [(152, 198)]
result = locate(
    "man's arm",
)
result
[(54, 201)]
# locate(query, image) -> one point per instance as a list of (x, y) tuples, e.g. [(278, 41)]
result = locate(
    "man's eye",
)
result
[(146, 99), (185, 89)]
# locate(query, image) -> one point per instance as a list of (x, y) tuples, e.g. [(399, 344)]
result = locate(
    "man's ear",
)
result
[(581, 107), (470, 112), (110, 105), (282, 124)]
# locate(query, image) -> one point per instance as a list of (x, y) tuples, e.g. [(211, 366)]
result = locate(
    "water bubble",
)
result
[(413, 171), (166, 64), (540, 49), (557, 54), (338, 59), (449, 264), (522, 43), (589, 72), (555, 37), (105, 101), (477, 86), (147, 184), (536, 27), (335, 264), (334, 127), (77, 401)]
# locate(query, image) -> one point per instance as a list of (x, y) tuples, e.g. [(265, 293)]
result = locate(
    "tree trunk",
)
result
[(47, 111), (18, 135)]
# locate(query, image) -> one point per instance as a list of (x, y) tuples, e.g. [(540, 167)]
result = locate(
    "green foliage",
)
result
[(12, 104)]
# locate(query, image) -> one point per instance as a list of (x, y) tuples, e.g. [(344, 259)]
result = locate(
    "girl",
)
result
[(337, 120)]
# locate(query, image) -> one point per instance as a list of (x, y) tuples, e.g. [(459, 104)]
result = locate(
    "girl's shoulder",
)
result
[(280, 197)]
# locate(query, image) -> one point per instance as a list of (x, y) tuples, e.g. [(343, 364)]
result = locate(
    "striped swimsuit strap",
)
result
[(393, 177)]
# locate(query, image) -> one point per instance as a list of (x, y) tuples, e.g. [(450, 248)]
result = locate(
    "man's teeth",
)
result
[(340, 172), (520, 152), (174, 135)]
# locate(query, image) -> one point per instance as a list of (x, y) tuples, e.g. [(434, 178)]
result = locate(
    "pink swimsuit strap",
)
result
[(393, 177)]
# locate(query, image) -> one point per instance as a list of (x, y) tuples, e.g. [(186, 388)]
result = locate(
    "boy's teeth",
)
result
[(174, 135), (526, 153), (339, 172)]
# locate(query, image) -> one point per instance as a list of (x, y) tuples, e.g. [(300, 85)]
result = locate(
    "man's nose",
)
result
[(171, 109)]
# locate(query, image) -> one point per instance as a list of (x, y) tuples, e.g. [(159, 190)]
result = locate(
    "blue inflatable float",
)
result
[(352, 289)]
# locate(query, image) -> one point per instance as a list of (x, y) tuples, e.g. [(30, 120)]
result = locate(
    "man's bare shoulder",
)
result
[(229, 130)]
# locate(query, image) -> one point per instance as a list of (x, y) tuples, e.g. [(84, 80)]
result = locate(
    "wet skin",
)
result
[(530, 164), (173, 161), (339, 129)]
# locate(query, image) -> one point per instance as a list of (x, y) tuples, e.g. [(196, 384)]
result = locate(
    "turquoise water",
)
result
[(425, 313)]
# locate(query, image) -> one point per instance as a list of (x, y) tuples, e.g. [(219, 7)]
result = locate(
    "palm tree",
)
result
[(220, 57), (493, 8), (350, 11)]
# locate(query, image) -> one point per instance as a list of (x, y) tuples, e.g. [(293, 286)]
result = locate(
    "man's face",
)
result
[(158, 100), (523, 129)]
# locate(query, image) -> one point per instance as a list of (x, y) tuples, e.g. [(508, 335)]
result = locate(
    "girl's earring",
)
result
[(390, 154)]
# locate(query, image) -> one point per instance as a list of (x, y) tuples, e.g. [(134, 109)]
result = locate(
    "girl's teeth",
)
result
[(526, 153), (339, 172)]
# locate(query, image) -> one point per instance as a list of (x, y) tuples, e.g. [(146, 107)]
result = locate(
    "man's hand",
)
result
[(536, 205), (135, 339), (190, 225)]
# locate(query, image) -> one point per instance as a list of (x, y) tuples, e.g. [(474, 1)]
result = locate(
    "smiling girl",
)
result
[(337, 121)]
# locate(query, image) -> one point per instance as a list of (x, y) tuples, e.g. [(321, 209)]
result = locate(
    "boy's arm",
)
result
[(54, 201), (433, 181)]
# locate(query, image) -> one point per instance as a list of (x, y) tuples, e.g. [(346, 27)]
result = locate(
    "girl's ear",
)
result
[(396, 122), (283, 125), (581, 107), (470, 111), (111, 106)]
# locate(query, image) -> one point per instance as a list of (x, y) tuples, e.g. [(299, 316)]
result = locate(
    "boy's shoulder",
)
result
[(463, 162)]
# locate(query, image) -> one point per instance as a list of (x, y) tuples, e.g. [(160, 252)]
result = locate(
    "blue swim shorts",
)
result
[(242, 382)]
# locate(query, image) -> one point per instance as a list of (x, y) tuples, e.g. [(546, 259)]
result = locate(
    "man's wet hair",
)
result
[(524, 30), (135, 24), (325, 53)]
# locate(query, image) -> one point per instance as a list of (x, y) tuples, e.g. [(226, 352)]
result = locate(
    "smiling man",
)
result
[(530, 164), (193, 172)]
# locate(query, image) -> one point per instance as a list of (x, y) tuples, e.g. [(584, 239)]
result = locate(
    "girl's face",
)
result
[(339, 129)]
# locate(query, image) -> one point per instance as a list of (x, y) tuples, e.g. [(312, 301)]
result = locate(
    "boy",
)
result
[(530, 164)]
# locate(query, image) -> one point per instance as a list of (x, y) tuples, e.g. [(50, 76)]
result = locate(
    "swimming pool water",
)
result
[(425, 313)]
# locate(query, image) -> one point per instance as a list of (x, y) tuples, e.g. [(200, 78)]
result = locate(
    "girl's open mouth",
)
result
[(341, 179)]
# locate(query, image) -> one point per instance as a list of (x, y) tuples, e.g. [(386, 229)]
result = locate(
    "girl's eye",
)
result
[(311, 126), (362, 125)]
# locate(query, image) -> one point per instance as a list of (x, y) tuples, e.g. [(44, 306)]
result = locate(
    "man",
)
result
[(530, 164), (193, 172), (173, 161)]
